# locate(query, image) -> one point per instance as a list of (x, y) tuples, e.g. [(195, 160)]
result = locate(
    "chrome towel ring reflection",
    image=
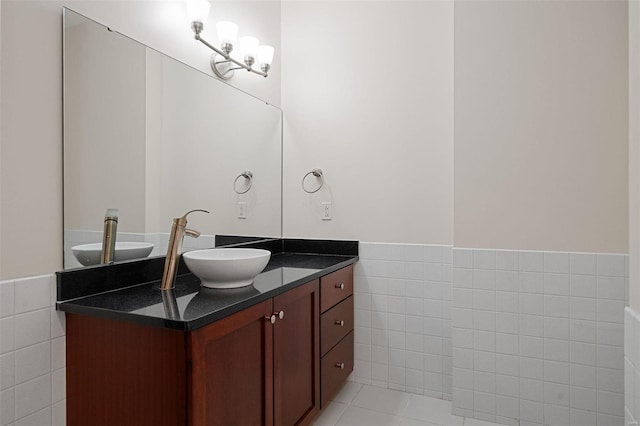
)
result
[(248, 177), (318, 174)]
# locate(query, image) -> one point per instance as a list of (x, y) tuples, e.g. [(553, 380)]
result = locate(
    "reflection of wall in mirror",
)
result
[(98, 139), (215, 133)]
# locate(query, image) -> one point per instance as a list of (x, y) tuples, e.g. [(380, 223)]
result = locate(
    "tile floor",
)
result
[(362, 405)]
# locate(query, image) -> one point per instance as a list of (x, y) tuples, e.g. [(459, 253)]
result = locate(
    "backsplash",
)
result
[(403, 318), (538, 337), (32, 353)]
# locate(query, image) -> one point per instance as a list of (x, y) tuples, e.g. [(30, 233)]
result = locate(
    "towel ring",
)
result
[(248, 176), (318, 174)]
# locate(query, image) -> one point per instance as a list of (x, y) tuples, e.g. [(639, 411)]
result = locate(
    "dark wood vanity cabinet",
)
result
[(270, 364), (231, 376), (296, 356), (336, 319), (248, 370), (120, 373)]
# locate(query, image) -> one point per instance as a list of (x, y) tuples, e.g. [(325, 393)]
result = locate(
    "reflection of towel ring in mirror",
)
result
[(249, 177), (318, 174)]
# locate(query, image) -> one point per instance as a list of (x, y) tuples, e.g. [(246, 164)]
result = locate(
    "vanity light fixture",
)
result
[(222, 64)]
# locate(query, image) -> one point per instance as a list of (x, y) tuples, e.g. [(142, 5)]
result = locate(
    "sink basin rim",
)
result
[(89, 254), (227, 267)]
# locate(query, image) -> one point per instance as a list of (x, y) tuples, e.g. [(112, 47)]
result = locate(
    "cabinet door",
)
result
[(231, 377), (297, 355)]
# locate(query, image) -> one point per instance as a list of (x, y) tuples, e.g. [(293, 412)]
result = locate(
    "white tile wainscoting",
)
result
[(516, 337), (538, 337), (631, 367), (32, 353), (403, 318)]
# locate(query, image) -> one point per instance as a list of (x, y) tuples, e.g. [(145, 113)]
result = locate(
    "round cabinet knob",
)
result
[(281, 314), (339, 364), (272, 319), (340, 323), (340, 286)]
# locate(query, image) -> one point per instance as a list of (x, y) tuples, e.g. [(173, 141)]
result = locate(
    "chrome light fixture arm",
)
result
[(223, 73), (222, 64)]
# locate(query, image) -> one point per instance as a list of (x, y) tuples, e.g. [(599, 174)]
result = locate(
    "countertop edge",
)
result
[(208, 319), (186, 326)]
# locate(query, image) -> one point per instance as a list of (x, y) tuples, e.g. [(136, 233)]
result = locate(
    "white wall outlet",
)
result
[(242, 210), (327, 213)]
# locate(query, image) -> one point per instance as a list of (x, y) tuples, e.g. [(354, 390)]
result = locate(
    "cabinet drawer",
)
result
[(335, 287), (336, 323), (333, 376)]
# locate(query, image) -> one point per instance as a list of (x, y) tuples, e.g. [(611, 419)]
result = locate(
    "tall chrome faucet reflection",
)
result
[(170, 304), (178, 231), (109, 236)]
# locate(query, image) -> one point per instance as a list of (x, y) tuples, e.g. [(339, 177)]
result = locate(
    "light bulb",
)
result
[(249, 47), (227, 32), (265, 55), (198, 11)]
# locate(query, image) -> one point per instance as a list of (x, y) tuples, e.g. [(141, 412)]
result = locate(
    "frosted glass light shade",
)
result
[(198, 10), (227, 32), (249, 46), (265, 54)]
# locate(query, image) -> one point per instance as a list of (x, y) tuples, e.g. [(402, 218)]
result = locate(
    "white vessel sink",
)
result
[(227, 267), (89, 254)]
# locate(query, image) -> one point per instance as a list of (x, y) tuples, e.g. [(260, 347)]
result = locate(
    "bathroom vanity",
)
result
[(271, 353)]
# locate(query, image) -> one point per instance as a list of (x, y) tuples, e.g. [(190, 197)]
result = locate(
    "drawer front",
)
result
[(336, 366), (335, 287), (336, 323)]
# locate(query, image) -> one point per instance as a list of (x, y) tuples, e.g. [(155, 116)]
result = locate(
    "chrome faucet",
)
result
[(178, 231)]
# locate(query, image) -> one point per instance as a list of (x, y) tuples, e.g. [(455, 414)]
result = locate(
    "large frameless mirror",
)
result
[(148, 138)]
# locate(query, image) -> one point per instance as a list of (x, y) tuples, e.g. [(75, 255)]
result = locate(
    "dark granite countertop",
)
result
[(190, 306)]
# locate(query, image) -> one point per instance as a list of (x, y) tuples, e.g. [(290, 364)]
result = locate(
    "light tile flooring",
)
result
[(362, 405)]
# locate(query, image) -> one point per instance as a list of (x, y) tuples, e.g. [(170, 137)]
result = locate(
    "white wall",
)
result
[(540, 163), (403, 125), (634, 155), (31, 164), (632, 321), (1, 242), (541, 125), (380, 128)]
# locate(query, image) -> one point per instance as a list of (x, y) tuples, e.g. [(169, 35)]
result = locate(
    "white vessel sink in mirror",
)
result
[(89, 254), (227, 267)]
